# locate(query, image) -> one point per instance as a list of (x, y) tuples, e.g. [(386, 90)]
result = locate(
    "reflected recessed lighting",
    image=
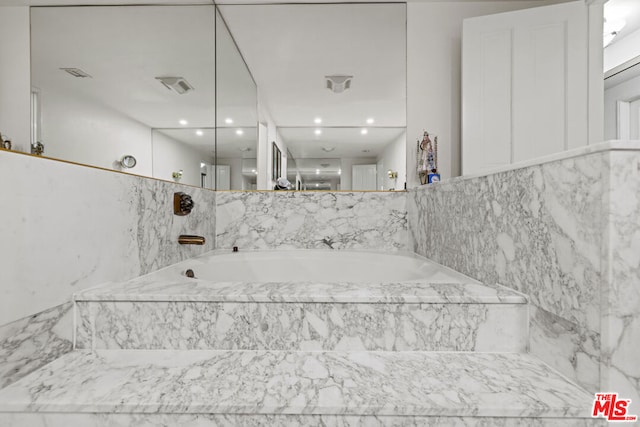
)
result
[(228, 121), (317, 185), (239, 132), (317, 171), (202, 164), (199, 132), (183, 122), (317, 131), (253, 170), (364, 131), (317, 120), (339, 171), (370, 120)]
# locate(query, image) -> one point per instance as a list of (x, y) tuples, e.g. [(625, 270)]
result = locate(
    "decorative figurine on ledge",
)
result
[(5, 143), (427, 157), (37, 148)]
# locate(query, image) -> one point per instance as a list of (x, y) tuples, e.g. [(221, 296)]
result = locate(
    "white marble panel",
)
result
[(537, 230), (31, 342), (288, 219), (68, 227), (621, 300), (302, 326), (572, 350), (233, 420), (277, 382)]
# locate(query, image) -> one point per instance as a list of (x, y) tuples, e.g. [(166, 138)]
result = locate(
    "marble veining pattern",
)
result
[(536, 230), (354, 220), (268, 382), (86, 227), (234, 420), (31, 342), (161, 288), (621, 300), (302, 326)]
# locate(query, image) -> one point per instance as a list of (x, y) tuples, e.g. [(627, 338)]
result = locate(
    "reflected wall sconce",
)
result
[(128, 161), (392, 174), (177, 175)]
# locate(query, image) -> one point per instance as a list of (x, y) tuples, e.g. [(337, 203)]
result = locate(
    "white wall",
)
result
[(236, 179), (621, 51), (434, 31), (171, 156), (394, 157), (626, 91), (85, 132), (15, 81)]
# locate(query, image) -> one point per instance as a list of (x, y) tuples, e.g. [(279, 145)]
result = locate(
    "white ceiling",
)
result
[(124, 50), (347, 142), (290, 48), (629, 10)]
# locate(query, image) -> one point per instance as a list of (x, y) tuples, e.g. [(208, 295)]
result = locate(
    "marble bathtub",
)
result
[(303, 300)]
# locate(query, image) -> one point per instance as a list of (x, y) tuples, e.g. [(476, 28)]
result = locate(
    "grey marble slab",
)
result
[(319, 383), (288, 219), (301, 326), (32, 342), (537, 230), (185, 289), (233, 420)]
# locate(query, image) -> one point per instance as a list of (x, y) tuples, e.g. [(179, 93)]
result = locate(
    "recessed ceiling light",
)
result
[(253, 170), (339, 171), (228, 120), (317, 131), (317, 120), (317, 171), (317, 185), (364, 131), (183, 122), (199, 132), (239, 132), (202, 164), (370, 120)]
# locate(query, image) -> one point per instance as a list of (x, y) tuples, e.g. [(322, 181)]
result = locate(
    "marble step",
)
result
[(163, 387), (406, 316)]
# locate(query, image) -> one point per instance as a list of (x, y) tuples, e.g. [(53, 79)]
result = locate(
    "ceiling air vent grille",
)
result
[(177, 84), (338, 84), (76, 72)]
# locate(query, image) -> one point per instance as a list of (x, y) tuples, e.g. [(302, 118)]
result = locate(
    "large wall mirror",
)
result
[(345, 133), (199, 95)]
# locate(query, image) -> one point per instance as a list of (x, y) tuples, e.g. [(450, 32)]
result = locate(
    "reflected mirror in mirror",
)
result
[(104, 77), (290, 50), (236, 116), (347, 158)]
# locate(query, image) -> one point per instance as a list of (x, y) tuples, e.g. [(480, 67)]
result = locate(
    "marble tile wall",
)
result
[(337, 220), (566, 233), (67, 227), (621, 296)]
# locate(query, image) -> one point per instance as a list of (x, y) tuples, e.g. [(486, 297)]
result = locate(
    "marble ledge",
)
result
[(612, 145), (282, 382), (195, 290)]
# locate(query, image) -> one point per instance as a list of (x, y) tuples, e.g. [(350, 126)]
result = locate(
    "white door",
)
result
[(525, 85), (223, 177), (363, 177)]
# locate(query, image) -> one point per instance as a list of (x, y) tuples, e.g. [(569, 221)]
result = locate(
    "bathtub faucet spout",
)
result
[(186, 239)]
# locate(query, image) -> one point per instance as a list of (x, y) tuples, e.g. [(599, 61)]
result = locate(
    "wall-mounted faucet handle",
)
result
[(182, 204)]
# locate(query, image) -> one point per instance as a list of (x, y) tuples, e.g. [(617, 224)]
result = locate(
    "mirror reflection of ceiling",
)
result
[(290, 48), (338, 142), (124, 50)]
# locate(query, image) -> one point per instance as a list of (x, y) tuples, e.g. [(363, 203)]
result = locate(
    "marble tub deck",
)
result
[(439, 384)]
